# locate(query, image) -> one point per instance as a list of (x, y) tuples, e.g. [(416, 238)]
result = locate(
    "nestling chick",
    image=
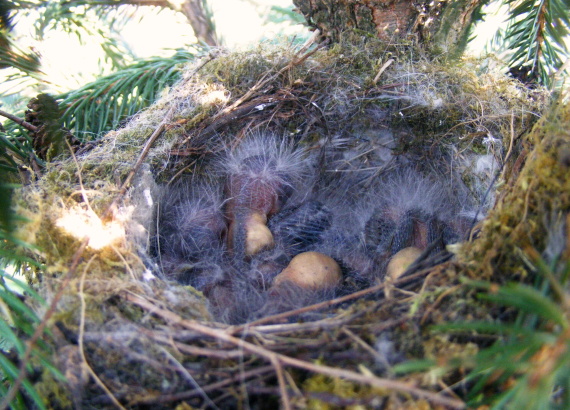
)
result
[(261, 174), (188, 242), (398, 265), (412, 211), (300, 227)]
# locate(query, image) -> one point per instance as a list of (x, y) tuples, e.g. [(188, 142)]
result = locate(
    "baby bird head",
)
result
[(261, 175), (263, 172)]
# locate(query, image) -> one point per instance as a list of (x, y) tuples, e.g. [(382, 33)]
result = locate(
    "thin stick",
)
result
[(446, 388), (300, 327), (272, 356), (127, 266), (265, 79), (527, 199), (366, 347), (282, 385), (509, 151), (291, 381), (20, 121), (79, 177), (326, 303), (438, 301), (382, 69), (190, 379), (192, 350), (211, 387)]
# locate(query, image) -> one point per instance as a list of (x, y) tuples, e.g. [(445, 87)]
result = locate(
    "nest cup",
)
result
[(323, 160)]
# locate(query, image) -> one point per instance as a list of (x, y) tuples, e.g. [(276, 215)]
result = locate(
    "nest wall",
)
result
[(533, 205), (361, 111)]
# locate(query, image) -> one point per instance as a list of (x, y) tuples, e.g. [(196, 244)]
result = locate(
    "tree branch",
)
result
[(201, 24), (20, 121)]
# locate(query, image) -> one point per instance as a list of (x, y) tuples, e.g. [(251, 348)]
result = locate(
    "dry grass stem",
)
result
[(325, 304), (220, 335)]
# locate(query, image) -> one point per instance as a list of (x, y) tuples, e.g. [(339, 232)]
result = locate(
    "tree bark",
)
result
[(438, 23)]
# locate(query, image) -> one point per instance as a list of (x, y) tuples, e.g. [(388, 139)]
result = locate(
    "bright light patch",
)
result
[(81, 223)]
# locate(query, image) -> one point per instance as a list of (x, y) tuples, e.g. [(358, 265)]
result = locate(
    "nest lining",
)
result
[(153, 342)]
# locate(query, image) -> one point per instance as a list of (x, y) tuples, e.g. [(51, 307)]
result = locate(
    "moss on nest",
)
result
[(142, 335), (533, 199)]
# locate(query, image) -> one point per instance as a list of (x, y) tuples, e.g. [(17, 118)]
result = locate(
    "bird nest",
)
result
[(171, 248)]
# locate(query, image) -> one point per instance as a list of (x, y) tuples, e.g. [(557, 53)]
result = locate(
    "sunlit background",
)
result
[(69, 62)]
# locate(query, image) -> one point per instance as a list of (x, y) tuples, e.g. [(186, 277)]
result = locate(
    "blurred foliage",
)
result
[(101, 21), (91, 110), (91, 22), (280, 14), (6, 222), (18, 323), (104, 104), (18, 320), (535, 40), (16, 157), (11, 56)]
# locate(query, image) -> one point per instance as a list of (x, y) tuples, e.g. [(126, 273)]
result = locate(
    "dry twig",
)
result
[(325, 304), (166, 398), (233, 110), (222, 336)]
